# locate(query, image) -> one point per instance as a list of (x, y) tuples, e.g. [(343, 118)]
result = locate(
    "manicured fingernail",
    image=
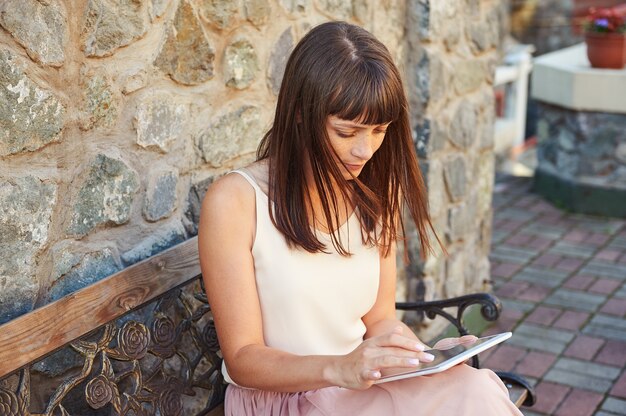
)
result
[(376, 374), (420, 347), (414, 361), (428, 357)]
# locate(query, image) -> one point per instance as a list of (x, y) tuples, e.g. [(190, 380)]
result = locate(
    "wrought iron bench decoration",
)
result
[(141, 342)]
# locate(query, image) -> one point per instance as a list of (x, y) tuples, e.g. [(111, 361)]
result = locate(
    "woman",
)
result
[(304, 240)]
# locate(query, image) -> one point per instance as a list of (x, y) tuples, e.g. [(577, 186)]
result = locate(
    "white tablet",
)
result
[(444, 359)]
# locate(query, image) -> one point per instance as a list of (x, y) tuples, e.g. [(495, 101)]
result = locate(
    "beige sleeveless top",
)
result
[(311, 304)]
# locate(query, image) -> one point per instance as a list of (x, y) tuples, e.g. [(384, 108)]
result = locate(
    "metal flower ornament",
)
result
[(137, 369)]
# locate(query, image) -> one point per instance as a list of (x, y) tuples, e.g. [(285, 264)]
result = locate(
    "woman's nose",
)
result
[(363, 148)]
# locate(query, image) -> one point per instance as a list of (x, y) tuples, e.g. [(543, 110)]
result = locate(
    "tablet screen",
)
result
[(446, 358)]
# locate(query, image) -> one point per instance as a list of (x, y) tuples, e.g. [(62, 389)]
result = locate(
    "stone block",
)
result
[(485, 232), (429, 136), (488, 131), (160, 200), (440, 78), (159, 121), (451, 36), (40, 27), (336, 9), (463, 125), (194, 203), (26, 206), (360, 10), (480, 280), (112, 24), (240, 64), (105, 197), (90, 268), (456, 266), (257, 11), (567, 140), (603, 140), (187, 57), (30, 117), (157, 8), (482, 36), (568, 164), (620, 153), (457, 223), (100, 104), (469, 74), (232, 135), (278, 60), (133, 79), (437, 199), (454, 169), (160, 240), (421, 81), (484, 180), (293, 6), (221, 13)]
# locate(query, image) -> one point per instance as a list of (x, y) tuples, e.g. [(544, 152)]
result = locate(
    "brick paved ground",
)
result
[(562, 281)]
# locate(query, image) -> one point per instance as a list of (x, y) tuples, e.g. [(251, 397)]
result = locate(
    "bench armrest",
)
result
[(490, 310)]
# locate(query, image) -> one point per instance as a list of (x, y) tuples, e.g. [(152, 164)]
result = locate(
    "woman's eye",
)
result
[(344, 134)]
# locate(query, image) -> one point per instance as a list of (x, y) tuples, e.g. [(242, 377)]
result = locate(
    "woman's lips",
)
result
[(353, 167)]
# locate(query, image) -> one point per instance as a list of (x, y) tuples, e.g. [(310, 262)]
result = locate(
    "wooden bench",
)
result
[(142, 341)]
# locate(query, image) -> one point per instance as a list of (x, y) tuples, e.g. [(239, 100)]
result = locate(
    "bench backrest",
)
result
[(140, 340)]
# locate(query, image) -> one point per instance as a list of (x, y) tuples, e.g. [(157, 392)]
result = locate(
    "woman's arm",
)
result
[(225, 238), (382, 317)]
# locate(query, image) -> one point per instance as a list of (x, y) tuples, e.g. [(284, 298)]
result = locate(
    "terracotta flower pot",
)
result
[(606, 50)]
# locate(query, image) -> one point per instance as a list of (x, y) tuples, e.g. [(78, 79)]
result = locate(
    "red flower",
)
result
[(605, 21)]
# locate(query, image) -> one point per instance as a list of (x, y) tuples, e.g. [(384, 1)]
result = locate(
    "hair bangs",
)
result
[(368, 93)]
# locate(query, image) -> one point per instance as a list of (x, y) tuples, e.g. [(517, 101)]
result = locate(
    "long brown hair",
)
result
[(342, 70)]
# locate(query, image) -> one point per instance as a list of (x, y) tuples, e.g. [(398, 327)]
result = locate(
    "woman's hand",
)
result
[(447, 343), (363, 366)]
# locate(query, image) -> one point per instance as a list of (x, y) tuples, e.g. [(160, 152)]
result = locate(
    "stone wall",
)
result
[(582, 160), (117, 115), (450, 67)]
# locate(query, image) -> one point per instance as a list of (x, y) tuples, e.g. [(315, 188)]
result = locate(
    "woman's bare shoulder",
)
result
[(233, 194), (227, 193)]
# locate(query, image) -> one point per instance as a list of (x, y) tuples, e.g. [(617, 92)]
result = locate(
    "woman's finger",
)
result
[(372, 375), (394, 339), (448, 343), (404, 353)]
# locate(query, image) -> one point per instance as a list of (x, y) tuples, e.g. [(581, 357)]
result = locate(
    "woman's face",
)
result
[(354, 143)]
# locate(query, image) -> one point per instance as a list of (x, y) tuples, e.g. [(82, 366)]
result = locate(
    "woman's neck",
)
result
[(316, 212)]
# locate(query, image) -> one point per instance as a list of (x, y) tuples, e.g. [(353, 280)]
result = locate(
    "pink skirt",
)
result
[(461, 390)]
